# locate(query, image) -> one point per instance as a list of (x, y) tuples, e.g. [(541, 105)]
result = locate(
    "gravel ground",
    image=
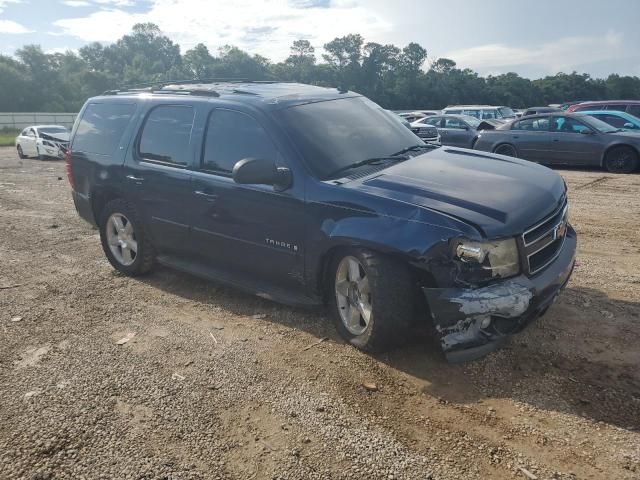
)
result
[(213, 383)]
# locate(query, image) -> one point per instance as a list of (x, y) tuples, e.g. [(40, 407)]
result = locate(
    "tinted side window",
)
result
[(435, 121), (231, 137), (166, 134), (489, 114), (102, 126), (587, 107), (454, 123), (567, 125), (534, 124), (612, 120), (472, 113), (619, 108), (634, 110)]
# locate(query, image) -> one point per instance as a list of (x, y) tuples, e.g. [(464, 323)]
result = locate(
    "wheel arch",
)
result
[(100, 196), (613, 147), (504, 142)]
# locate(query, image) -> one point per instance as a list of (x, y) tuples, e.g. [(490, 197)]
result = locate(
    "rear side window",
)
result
[(634, 110), (534, 124), (617, 107), (102, 126), (453, 112), (454, 123), (472, 113), (166, 134), (234, 136)]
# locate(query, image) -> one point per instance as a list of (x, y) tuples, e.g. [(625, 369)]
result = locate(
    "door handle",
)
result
[(209, 196), (556, 140), (516, 136), (133, 178)]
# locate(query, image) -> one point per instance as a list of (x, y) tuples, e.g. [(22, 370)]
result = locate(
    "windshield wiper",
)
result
[(367, 161), (415, 147)]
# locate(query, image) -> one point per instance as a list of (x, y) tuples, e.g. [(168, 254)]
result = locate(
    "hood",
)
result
[(500, 196), (56, 137)]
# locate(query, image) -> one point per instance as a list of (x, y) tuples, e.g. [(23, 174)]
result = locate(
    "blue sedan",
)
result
[(622, 120)]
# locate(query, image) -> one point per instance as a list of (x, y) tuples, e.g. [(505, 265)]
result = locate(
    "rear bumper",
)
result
[(474, 322), (83, 207)]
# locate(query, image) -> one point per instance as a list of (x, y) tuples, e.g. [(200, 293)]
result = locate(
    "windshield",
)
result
[(506, 112), (53, 130), (334, 134), (598, 124)]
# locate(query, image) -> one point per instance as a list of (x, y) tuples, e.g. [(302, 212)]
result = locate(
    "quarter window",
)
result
[(166, 134), (634, 110), (101, 127), (234, 136), (454, 123)]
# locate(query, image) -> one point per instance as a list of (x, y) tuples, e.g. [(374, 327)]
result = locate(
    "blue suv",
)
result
[(309, 195)]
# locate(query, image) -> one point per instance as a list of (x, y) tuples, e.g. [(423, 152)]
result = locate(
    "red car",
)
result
[(629, 106)]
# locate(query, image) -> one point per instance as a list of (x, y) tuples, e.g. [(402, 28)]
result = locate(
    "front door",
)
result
[(28, 142), (250, 230), (157, 175), (574, 143), (456, 133)]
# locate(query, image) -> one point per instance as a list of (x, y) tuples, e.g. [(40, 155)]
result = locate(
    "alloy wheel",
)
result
[(353, 296), (507, 150), (121, 239)]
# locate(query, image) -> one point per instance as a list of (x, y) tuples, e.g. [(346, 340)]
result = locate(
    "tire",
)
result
[(506, 149), (38, 156), (388, 294), (621, 160), (127, 235), (21, 154)]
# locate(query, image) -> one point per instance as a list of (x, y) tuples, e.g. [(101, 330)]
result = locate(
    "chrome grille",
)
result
[(543, 242)]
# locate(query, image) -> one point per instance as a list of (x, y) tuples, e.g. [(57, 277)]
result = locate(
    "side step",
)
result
[(241, 282)]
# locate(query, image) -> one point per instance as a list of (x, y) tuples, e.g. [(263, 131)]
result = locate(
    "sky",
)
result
[(532, 38)]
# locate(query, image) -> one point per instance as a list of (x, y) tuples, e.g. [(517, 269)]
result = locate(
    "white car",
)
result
[(43, 141)]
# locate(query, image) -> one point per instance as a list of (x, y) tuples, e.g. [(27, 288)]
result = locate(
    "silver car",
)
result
[(458, 130), (565, 139)]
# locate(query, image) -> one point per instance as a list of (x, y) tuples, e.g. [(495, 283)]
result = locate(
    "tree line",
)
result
[(396, 78)]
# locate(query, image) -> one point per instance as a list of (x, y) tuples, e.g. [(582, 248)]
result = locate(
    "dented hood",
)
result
[(500, 196)]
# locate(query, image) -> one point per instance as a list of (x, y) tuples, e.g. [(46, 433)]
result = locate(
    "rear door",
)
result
[(574, 143), (251, 230), (532, 139), (157, 174)]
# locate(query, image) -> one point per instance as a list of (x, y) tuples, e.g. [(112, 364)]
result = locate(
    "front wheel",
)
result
[(506, 149), (123, 239), (371, 299), (621, 160), (21, 153)]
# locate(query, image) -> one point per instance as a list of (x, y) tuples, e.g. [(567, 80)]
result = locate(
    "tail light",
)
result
[(67, 166)]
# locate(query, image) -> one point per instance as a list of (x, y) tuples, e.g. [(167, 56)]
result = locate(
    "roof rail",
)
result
[(156, 86)]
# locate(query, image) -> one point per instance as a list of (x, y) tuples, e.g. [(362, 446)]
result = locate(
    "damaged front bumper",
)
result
[(474, 322)]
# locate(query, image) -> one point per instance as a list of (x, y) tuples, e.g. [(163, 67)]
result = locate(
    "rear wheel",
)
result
[(506, 149), (123, 239), (21, 153), (372, 301), (621, 160)]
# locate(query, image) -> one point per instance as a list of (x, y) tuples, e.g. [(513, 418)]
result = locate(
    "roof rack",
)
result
[(159, 87)]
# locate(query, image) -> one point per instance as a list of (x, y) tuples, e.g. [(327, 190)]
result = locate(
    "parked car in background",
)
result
[(42, 141), (308, 195), (458, 130), (622, 120), (566, 105), (426, 132), (418, 115), (537, 110), (481, 112), (629, 106), (565, 139)]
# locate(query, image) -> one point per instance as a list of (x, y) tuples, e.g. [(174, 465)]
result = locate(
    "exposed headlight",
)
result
[(498, 258)]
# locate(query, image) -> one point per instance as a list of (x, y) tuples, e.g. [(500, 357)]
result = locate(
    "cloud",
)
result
[(564, 54), (4, 3), (267, 28), (9, 26), (77, 3)]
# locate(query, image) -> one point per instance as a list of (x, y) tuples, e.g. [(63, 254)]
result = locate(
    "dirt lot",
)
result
[(220, 384)]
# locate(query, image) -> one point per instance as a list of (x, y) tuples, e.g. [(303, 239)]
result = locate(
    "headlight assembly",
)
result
[(497, 258)]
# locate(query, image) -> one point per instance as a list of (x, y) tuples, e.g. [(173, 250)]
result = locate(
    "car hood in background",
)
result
[(57, 137), (498, 195)]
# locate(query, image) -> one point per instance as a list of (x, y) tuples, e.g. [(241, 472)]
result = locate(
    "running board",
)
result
[(241, 282)]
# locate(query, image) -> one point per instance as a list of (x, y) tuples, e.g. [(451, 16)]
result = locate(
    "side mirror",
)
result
[(258, 171), (586, 131), (630, 126)]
